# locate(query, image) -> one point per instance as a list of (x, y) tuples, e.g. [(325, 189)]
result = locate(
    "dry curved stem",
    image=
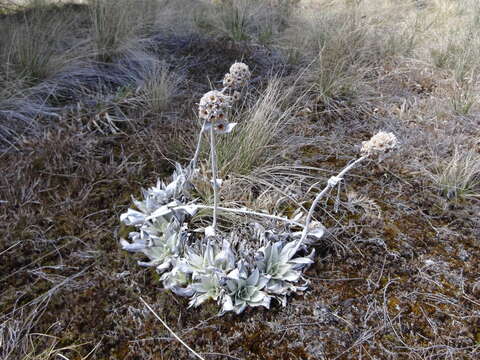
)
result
[(332, 182), (253, 213), (193, 162), (171, 331)]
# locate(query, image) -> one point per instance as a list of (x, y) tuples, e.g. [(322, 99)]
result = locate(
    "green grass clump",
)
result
[(459, 177), (252, 143), (31, 47)]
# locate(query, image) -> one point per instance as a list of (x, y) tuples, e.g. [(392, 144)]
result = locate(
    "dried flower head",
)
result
[(220, 127), (234, 82), (228, 80), (237, 77), (382, 142), (213, 97), (212, 105), (240, 70)]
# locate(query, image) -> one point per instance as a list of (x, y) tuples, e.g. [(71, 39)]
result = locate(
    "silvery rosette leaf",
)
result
[(277, 263), (161, 199), (173, 209), (315, 233), (243, 290), (181, 177), (160, 249), (153, 198), (177, 281), (225, 259), (133, 218), (211, 260), (208, 287), (139, 242), (157, 227)]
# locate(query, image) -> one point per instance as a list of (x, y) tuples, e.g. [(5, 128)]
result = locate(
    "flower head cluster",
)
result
[(213, 109), (213, 106), (237, 77), (380, 143)]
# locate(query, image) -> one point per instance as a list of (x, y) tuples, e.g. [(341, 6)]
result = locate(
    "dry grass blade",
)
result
[(171, 331), (19, 341)]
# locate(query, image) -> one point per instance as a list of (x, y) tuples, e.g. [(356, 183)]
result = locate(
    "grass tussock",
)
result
[(31, 48), (160, 86), (245, 20), (345, 42), (459, 177), (260, 128), (118, 25), (113, 26), (456, 31)]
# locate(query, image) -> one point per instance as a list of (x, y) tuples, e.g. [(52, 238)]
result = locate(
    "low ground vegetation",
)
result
[(99, 99)]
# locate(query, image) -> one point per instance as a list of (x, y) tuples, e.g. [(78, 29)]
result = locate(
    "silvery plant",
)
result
[(229, 268)]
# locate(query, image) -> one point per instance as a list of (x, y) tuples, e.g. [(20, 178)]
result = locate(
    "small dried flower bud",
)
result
[(203, 113), (228, 80), (240, 70), (380, 143), (217, 115), (220, 126), (240, 82), (236, 96)]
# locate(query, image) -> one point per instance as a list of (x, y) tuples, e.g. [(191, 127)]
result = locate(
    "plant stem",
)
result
[(193, 162), (333, 181), (213, 155), (253, 213)]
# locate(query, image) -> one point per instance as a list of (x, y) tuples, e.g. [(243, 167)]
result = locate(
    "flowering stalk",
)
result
[(250, 212), (213, 155), (332, 182), (213, 108), (193, 162), (380, 143)]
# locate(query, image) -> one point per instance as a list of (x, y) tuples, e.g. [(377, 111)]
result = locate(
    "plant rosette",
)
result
[(240, 269)]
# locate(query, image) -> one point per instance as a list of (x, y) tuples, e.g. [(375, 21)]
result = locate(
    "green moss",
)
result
[(125, 230)]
